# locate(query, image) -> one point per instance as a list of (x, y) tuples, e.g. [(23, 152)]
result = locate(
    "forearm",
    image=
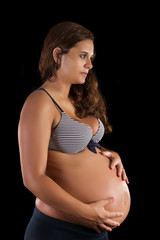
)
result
[(52, 194)]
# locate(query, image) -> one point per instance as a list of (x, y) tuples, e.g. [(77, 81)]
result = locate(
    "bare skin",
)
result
[(80, 187)]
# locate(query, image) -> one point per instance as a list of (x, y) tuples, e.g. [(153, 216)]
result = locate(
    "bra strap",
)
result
[(51, 98)]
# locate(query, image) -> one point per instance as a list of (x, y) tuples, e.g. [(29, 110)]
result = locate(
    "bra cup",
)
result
[(70, 136), (99, 134)]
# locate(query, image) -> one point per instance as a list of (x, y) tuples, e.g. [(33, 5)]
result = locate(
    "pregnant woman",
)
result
[(80, 187)]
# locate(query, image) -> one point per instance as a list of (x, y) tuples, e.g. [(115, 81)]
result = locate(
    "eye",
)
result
[(83, 56)]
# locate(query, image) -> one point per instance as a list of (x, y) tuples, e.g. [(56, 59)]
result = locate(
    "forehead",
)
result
[(85, 45)]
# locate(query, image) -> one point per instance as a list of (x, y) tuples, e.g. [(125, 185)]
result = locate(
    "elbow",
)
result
[(25, 183), (29, 183), (33, 184)]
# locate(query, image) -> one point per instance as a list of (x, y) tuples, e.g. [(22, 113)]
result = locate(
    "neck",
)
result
[(61, 88)]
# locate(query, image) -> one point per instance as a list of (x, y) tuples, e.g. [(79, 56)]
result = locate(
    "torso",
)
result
[(85, 175)]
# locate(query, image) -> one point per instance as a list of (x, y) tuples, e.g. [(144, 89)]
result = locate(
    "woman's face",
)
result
[(76, 64)]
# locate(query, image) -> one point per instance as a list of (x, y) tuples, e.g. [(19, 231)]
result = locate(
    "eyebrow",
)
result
[(87, 53)]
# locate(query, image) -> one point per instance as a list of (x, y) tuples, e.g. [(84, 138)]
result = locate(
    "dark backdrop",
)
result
[(120, 65)]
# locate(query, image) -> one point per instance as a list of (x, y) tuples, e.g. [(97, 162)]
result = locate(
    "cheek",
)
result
[(67, 62), (70, 65)]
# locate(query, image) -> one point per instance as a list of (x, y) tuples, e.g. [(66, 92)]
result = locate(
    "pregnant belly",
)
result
[(97, 182), (93, 180)]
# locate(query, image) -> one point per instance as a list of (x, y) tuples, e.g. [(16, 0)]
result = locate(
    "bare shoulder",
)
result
[(38, 104)]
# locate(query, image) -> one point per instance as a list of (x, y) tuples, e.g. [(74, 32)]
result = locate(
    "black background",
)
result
[(123, 36)]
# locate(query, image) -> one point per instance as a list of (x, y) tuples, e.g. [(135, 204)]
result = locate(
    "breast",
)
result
[(70, 136), (90, 179)]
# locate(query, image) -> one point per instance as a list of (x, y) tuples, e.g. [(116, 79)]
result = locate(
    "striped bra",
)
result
[(71, 136)]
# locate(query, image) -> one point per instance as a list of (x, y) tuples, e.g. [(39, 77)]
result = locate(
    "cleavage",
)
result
[(90, 121)]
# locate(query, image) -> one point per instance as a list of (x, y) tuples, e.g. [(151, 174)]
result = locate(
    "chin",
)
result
[(81, 81)]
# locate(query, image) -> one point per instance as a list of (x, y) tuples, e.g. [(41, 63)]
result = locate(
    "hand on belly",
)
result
[(95, 181), (87, 177), (112, 186)]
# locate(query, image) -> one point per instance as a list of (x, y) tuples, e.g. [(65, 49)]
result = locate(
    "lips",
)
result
[(84, 73)]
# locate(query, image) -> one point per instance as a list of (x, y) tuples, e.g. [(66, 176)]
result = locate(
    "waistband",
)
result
[(61, 224)]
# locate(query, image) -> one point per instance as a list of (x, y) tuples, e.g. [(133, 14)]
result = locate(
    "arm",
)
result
[(115, 162), (34, 130)]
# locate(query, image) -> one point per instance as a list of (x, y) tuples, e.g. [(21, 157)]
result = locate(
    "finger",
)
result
[(105, 227), (124, 176), (114, 163), (112, 223), (127, 181), (97, 229), (119, 170), (114, 214)]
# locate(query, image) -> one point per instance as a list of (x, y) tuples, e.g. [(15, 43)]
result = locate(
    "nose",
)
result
[(88, 64)]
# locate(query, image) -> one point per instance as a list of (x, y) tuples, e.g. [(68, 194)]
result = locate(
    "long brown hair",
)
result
[(86, 97)]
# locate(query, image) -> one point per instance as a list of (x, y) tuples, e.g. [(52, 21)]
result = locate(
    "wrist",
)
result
[(86, 212)]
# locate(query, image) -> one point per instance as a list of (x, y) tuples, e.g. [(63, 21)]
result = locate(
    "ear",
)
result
[(57, 53)]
